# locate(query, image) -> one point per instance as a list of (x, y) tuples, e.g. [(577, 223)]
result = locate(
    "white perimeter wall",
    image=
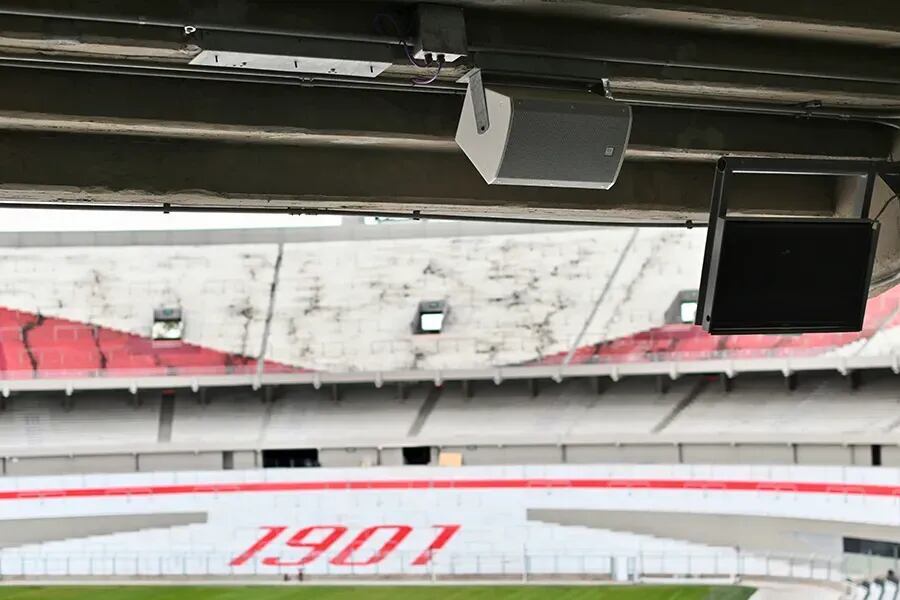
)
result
[(494, 531)]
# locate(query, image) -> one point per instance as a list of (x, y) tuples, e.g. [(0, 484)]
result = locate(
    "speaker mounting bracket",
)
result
[(479, 100)]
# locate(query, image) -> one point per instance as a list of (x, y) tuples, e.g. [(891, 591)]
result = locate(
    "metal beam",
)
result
[(655, 80), (593, 30)]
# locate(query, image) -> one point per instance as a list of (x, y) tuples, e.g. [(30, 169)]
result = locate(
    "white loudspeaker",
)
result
[(537, 137)]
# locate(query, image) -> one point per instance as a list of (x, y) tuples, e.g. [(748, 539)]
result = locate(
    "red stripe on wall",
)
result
[(854, 489)]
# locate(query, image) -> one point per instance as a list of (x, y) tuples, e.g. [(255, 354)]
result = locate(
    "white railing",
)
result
[(722, 566)]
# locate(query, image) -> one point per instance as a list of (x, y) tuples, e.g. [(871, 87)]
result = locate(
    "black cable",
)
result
[(401, 40), (883, 208), (415, 215)]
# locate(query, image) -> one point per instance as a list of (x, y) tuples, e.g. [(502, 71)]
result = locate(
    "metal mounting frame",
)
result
[(441, 32), (727, 167)]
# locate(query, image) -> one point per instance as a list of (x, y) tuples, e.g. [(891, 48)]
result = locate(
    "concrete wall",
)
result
[(624, 453), (390, 457), (861, 455), (245, 459), (472, 455), (507, 455), (824, 454), (71, 465), (180, 461), (350, 457), (737, 454), (890, 456)]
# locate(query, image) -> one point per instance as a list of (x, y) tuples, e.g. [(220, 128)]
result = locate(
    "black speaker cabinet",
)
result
[(785, 275)]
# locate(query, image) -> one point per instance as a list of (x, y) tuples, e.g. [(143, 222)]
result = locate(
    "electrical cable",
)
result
[(433, 78), (883, 208), (412, 60), (415, 215)]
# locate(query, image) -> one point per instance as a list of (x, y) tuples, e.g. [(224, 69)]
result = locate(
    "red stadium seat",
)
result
[(60, 347)]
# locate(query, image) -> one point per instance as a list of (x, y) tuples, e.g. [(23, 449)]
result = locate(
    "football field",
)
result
[(305, 592)]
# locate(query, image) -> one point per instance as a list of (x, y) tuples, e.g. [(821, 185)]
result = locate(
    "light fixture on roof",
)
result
[(683, 308), (688, 311), (167, 324), (430, 316)]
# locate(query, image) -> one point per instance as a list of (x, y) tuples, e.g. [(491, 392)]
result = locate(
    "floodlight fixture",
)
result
[(168, 324), (431, 316)]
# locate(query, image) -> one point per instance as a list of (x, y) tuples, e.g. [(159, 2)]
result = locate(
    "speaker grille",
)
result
[(565, 141)]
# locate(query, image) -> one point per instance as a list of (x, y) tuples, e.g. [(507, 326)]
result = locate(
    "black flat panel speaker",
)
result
[(788, 275)]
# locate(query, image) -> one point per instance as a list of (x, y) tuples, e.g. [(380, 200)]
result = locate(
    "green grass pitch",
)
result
[(306, 592)]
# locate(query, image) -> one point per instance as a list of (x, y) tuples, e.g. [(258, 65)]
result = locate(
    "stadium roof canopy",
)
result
[(104, 106)]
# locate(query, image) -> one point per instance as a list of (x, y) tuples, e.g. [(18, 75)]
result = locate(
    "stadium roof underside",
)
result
[(108, 100)]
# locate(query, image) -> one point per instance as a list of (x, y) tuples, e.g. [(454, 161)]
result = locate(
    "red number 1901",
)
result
[(318, 539)]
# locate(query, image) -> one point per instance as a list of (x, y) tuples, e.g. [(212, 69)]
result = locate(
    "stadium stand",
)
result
[(342, 307), (689, 342), (35, 346), (235, 413), (358, 417), (823, 405), (224, 289), (194, 463), (691, 420), (346, 305), (100, 419), (507, 307), (569, 410)]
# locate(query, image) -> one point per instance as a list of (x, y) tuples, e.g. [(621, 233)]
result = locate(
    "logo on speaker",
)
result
[(610, 150)]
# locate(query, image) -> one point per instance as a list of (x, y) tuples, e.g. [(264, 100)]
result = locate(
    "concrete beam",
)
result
[(265, 110), (878, 24), (722, 50), (122, 169), (572, 28), (315, 148), (39, 100)]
